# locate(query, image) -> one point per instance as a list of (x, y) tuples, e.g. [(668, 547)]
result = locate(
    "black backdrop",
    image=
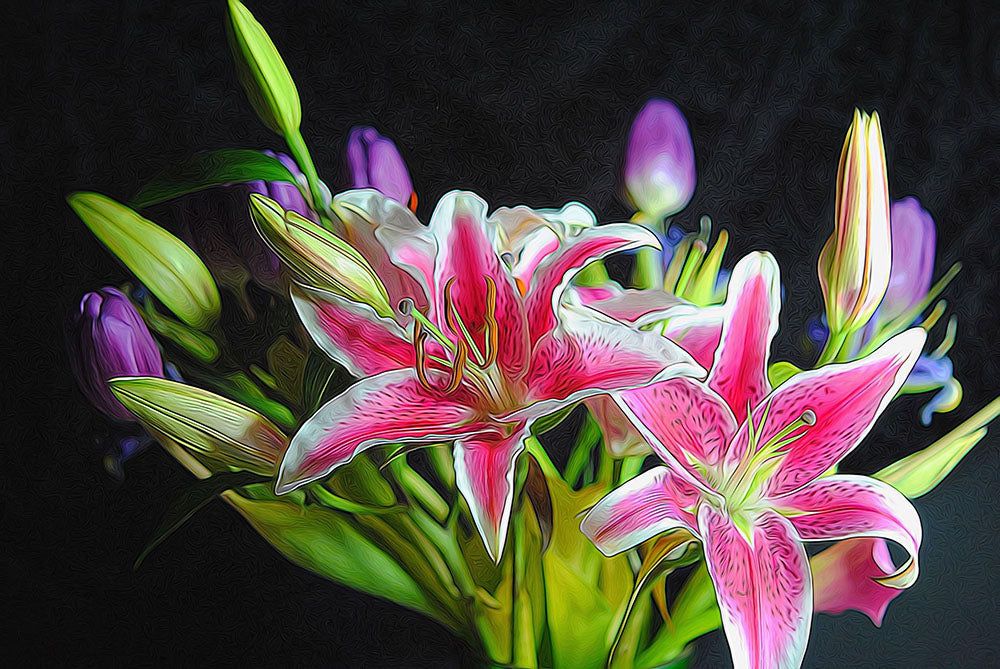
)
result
[(523, 106)]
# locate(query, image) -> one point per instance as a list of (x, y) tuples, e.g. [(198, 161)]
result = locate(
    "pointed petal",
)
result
[(389, 408), (739, 373), (590, 354), (352, 333), (845, 398), (763, 586), (847, 576), (843, 506), (484, 474), (631, 305), (466, 256), (555, 273), (683, 420), (650, 504)]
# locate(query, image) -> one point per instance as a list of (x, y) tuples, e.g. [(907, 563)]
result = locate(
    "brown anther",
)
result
[(449, 309), (491, 326), (458, 367), (420, 365), (412, 204)]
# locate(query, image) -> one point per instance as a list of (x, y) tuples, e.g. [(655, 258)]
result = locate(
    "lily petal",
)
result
[(845, 398), (631, 305), (392, 407), (844, 506), (683, 420), (698, 330), (620, 436), (739, 373), (590, 354), (650, 504), (484, 474), (352, 334), (558, 269), (763, 586), (467, 258), (847, 576)]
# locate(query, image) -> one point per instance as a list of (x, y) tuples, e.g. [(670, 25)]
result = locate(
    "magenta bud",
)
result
[(913, 241), (107, 338), (374, 162), (659, 161)]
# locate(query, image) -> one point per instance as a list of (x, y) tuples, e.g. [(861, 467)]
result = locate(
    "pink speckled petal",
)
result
[(845, 398), (650, 504), (763, 586), (739, 373), (843, 506), (391, 407), (484, 474), (554, 273), (845, 576), (352, 333), (696, 329), (683, 420)]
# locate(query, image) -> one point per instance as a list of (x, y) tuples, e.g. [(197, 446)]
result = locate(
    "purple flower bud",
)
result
[(913, 240), (107, 338), (286, 194), (374, 162), (659, 161)]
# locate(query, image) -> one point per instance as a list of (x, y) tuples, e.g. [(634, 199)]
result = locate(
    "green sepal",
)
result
[(165, 264), (210, 169), (779, 372)]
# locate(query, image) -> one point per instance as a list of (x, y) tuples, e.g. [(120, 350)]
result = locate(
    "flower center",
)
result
[(761, 459), (466, 362)]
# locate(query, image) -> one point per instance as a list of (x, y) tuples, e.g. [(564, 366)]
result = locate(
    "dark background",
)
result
[(526, 107)]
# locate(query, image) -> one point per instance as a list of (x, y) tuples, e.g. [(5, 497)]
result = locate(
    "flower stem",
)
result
[(833, 345), (297, 145)]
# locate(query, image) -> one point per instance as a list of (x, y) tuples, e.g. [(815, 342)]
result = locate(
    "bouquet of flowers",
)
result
[(374, 394)]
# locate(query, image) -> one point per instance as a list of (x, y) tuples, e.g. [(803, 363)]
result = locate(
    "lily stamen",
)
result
[(458, 368), (491, 327), (457, 325)]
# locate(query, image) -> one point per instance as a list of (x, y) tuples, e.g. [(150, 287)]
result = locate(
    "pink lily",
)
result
[(480, 363), (743, 471)]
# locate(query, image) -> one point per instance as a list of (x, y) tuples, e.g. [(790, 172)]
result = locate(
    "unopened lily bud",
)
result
[(855, 262), (913, 240), (659, 161), (107, 338), (318, 256), (374, 162)]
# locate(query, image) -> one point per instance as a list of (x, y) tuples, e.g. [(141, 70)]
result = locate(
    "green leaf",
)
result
[(220, 433), (242, 387), (206, 170), (919, 473), (263, 74), (327, 543), (193, 500), (162, 262)]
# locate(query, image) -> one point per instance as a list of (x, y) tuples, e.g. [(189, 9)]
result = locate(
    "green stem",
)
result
[(648, 271), (579, 457), (419, 490), (522, 633), (833, 345), (535, 448), (297, 145), (631, 466)]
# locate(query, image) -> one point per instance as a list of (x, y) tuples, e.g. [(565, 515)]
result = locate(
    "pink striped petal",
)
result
[(844, 577), (352, 333), (630, 305), (650, 504), (684, 421), (365, 211), (843, 506), (845, 398), (484, 474), (466, 257), (590, 354), (557, 270), (389, 408), (531, 235), (739, 373), (763, 586)]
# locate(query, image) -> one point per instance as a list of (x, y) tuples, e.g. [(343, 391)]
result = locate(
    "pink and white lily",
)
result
[(469, 359), (743, 471)]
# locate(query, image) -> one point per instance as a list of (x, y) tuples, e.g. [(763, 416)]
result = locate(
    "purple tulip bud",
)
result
[(374, 162), (659, 161), (913, 240), (107, 338), (286, 194)]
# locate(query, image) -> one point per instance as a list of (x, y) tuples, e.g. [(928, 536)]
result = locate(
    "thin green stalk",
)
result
[(631, 466), (523, 652), (579, 457), (444, 464), (297, 145), (833, 345), (419, 490)]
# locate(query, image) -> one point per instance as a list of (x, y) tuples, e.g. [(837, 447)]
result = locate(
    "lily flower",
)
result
[(743, 468), (471, 360)]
